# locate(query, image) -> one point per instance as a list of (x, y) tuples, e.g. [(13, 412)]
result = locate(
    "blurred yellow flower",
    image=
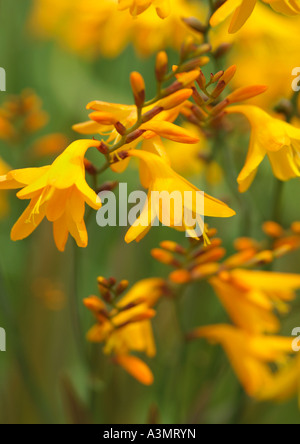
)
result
[(242, 9), (249, 354), (137, 7), (270, 136), (127, 327), (263, 42), (49, 145), (157, 175), (57, 192), (85, 26), (250, 297), (284, 383)]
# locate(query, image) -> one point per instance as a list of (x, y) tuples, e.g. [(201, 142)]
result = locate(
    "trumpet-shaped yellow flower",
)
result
[(158, 176), (250, 297), (275, 138), (242, 9), (58, 192), (249, 354), (137, 7)]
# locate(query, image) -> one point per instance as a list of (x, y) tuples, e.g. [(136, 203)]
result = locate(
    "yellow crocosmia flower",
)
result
[(137, 7), (58, 192), (250, 297), (270, 136), (242, 9), (263, 42), (284, 383), (4, 168), (146, 290), (162, 179), (105, 115), (85, 26), (249, 354)]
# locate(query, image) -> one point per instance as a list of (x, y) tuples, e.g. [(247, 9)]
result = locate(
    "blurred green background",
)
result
[(43, 374)]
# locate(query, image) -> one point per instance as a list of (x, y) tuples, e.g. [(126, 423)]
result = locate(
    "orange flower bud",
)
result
[(180, 276), (245, 93), (173, 247), (138, 88), (229, 74), (218, 89), (122, 286), (295, 227), (103, 118), (165, 257), (213, 255), (272, 229), (175, 99), (161, 67), (245, 243), (136, 368), (94, 303), (215, 78), (203, 271)]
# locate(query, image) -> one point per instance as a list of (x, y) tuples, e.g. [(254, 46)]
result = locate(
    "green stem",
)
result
[(277, 203)]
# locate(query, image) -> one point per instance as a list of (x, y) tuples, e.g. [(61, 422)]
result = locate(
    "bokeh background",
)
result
[(44, 376)]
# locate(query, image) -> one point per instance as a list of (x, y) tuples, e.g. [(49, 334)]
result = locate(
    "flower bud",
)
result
[(161, 67), (138, 88)]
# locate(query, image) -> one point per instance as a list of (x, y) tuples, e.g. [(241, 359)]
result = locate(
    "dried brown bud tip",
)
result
[(134, 135), (108, 186), (195, 24), (120, 128), (103, 148), (151, 113), (90, 168)]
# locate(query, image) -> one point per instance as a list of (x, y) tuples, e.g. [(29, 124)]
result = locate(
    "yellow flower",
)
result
[(250, 297), (264, 43), (242, 9), (158, 176), (4, 168), (57, 192), (137, 7), (284, 383), (85, 26), (249, 354), (105, 116), (275, 138), (127, 327)]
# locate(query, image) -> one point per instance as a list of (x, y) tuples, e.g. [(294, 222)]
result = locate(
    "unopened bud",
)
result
[(120, 128), (175, 99), (218, 89), (161, 67), (122, 286), (103, 148), (229, 74), (295, 227), (245, 93), (134, 135), (164, 257), (108, 186), (180, 276), (173, 247), (103, 118), (195, 24), (272, 229), (201, 80), (90, 168), (216, 77), (138, 88), (222, 50), (151, 113)]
